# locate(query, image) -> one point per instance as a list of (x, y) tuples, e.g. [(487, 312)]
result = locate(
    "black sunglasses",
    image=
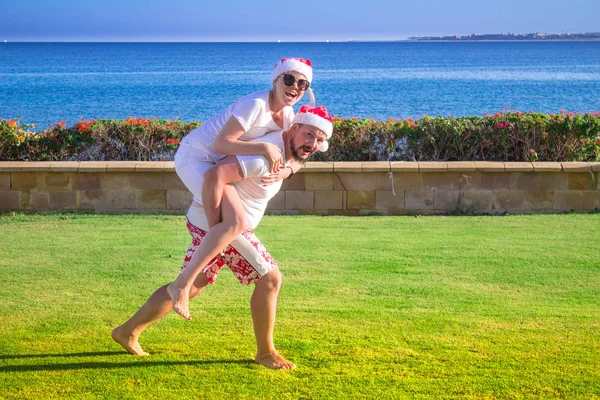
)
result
[(288, 80)]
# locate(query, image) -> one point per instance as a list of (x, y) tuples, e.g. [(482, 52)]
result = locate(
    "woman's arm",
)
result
[(227, 142)]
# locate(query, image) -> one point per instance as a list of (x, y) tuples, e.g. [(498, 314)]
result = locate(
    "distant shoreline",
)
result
[(473, 41)]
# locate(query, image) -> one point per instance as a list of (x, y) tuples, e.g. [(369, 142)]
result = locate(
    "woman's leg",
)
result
[(217, 238), (211, 201)]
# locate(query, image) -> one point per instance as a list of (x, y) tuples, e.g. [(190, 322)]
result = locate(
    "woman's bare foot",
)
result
[(180, 298), (274, 361), (128, 342)]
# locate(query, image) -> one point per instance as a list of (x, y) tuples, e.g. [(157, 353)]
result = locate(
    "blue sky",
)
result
[(267, 20)]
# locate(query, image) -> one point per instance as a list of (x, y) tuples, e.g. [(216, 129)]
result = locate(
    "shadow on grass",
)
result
[(89, 354), (140, 362)]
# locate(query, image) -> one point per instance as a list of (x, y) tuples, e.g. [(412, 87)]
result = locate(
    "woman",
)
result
[(227, 133)]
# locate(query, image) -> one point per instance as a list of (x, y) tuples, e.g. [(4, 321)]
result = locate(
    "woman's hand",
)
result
[(276, 177), (274, 156)]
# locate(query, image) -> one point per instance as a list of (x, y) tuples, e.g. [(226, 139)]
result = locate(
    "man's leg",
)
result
[(157, 306), (264, 307)]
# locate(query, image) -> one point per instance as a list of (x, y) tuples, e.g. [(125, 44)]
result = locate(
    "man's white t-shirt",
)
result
[(253, 194), (253, 114)]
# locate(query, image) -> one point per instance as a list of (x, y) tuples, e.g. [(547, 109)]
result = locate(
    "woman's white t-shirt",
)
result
[(253, 114)]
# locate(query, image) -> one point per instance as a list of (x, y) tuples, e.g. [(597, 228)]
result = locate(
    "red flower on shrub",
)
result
[(83, 126), (503, 125), (61, 124), (12, 123), (172, 141)]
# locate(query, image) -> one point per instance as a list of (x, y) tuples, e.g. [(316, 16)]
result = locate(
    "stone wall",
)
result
[(340, 188)]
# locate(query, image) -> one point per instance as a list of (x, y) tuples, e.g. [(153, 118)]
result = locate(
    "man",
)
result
[(245, 256)]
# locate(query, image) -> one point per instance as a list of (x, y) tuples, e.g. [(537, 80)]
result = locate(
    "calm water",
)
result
[(50, 82)]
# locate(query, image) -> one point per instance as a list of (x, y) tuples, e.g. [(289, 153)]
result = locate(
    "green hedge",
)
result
[(511, 136)]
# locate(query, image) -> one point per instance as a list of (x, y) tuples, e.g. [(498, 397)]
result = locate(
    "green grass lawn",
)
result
[(371, 307)]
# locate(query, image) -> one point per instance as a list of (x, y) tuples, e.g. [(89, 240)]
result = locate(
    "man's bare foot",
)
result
[(274, 361), (128, 342), (180, 298)]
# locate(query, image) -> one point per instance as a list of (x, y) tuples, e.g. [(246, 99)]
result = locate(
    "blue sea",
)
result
[(50, 82)]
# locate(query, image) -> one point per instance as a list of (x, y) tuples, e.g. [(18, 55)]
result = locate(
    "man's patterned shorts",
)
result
[(246, 257)]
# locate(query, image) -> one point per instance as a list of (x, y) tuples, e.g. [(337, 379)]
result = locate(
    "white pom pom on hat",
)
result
[(317, 117), (293, 64)]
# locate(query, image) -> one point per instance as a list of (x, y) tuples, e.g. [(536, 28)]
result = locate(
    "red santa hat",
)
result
[(317, 117), (293, 64)]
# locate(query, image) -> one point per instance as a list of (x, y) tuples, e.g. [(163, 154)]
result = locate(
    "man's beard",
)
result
[(296, 154)]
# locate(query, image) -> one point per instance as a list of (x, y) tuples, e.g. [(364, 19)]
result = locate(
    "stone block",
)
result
[(318, 166), (582, 181), (404, 166), (489, 166), (543, 166), (37, 166), (408, 181), (461, 166), (362, 181), (146, 180), (40, 201), (296, 182), (432, 166), (64, 166), (277, 202), (4, 181), (442, 180), (299, 200), (540, 200), (567, 200), (123, 199), (524, 181), (114, 181), (94, 200), (591, 200), (63, 200), (495, 181), (345, 213), (595, 166), (518, 167), (150, 166), (58, 180), (347, 166), (553, 181), (473, 201), (153, 199), (576, 166), (318, 181), (171, 181), (446, 200), (510, 200), (329, 199), (121, 166), (27, 181), (418, 200), (385, 200), (179, 199), (10, 200), (11, 166), (169, 166), (360, 199), (88, 181), (93, 166), (375, 166), (470, 180)]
